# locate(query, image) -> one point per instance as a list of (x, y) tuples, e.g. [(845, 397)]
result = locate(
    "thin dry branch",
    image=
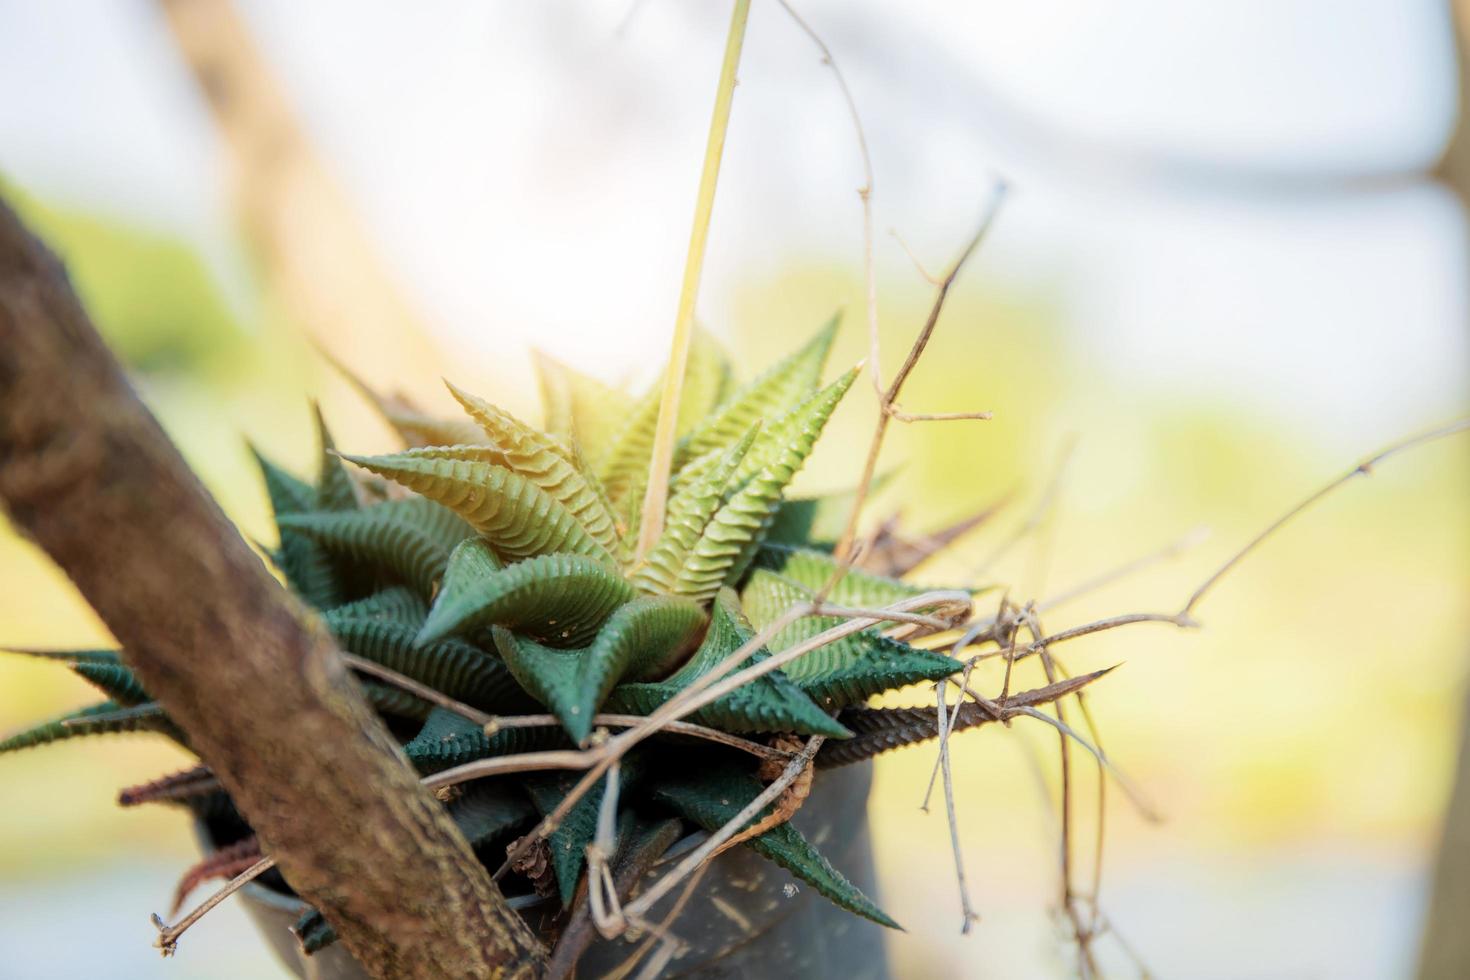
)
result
[(1364, 468), (967, 908), (493, 723), (879, 730), (711, 687), (888, 397), (637, 909), (865, 195), (168, 935), (1087, 965), (307, 239)]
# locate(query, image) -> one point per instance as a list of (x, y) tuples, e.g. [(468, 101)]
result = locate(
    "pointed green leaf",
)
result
[(547, 674), (579, 408), (700, 494), (624, 462), (518, 518), (644, 638), (711, 796), (811, 570), (879, 730), (398, 604), (334, 488), (106, 718), (569, 841), (307, 566), (736, 531), (113, 680), (487, 809), (770, 703), (845, 671), (818, 522), (411, 538), (413, 426), (547, 462), (68, 657), (455, 668), (558, 599), (769, 396), (707, 381), (448, 740)]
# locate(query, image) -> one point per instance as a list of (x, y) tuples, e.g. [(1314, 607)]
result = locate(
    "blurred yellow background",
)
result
[(1299, 747)]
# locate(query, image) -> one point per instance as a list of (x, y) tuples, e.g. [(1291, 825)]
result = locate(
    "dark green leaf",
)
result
[(643, 639), (770, 703), (557, 599), (711, 796), (411, 538)]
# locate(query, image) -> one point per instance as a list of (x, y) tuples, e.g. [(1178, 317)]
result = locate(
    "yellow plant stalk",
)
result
[(661, 461)]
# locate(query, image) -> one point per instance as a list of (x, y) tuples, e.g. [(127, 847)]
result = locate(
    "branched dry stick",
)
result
[(1052, 692), (1100, 833), (1184, 618), (639, 908), (787, 804), (711, 687), (602, 891), (1364, 468), (659, 933), (633, 862), (1087, 965), (168, 935), (888, 397), (967, 909), (865, 195), (1008, 644), (493, 723)]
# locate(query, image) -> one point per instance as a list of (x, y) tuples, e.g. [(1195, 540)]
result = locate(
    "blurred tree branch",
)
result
[(86, 471), (1445, 951), (313, 254)]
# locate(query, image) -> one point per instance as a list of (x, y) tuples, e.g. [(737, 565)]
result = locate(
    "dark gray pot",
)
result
[(748, 918)]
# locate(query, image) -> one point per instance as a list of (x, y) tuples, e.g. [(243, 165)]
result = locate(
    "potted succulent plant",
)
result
[(654, 732), (485, 585)]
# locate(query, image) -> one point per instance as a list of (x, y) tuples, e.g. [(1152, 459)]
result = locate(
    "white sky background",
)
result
[(1226, 193)]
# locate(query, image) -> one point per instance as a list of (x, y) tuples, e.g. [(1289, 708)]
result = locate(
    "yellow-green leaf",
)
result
[(517, 517), (772, 394), (549, 463)]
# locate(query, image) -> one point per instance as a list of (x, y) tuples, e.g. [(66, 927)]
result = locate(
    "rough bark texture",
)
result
[(86, 471)]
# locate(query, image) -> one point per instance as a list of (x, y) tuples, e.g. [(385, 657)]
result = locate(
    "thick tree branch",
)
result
[(312, 250), (86, 471)]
